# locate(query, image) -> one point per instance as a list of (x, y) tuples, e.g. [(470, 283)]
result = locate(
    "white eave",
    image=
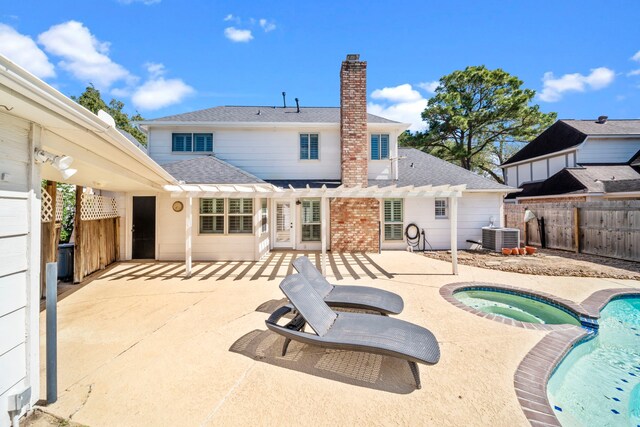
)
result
[(544, 156), (77, 132)]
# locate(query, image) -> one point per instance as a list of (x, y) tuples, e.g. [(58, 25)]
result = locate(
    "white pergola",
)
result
[(191, 191)]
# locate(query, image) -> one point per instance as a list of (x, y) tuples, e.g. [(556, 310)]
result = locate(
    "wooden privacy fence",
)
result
[(606, 228), (96, 231), (97, 234)]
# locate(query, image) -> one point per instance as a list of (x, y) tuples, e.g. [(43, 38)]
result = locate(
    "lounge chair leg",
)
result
[(285, 346), (416, 374)]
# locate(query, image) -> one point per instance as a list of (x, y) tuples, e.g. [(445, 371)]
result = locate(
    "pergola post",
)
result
[(188, 234), (323, 234), (453, 219)]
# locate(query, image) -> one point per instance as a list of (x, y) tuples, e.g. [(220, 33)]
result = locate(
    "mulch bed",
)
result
[(547, 262)]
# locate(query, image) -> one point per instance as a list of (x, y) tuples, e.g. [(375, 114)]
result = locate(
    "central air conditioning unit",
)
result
[(495, 238)]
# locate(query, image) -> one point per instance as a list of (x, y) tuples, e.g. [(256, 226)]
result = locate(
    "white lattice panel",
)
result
[(59, 206), (46, 212), (97, 207)]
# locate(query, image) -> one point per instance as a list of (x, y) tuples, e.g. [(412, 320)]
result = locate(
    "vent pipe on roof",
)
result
[(602, 119), (284, 99), (297, 106)]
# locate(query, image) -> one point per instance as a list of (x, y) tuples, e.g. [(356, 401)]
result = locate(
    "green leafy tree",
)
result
[(92, 101), (477, 118), (68, 210)]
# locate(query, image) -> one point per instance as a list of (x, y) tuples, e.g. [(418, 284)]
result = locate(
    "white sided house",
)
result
[(579, 160), (255, 179)]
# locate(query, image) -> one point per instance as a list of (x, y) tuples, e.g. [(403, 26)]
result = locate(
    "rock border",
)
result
[(532, 375)]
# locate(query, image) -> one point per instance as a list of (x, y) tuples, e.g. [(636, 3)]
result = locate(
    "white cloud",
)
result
[(267, 26), (146, 2), (401, 103), (83, 55), (238, 36), (401, 93), (229, 17), (154, 69), (429, 87), (634, 72), (636, 57), (553, 88), (23, 51), (158, 92)]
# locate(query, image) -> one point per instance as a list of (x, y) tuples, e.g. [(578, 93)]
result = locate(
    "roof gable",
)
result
[(557, 137)]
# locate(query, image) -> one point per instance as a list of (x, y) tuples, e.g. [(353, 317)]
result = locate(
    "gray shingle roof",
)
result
[(592, 177), (241, 114), (586, 179), (417, 168), (610, 127), (566, 133), (209, 170)]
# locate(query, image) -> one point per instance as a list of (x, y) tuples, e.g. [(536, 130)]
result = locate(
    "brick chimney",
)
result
[(354, 221), (353, 121)]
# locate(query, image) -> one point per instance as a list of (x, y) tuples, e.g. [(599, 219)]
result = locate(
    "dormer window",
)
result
[(192, 142), (379, 146)]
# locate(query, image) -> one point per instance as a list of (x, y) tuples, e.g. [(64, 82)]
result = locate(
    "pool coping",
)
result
[(532, 375)]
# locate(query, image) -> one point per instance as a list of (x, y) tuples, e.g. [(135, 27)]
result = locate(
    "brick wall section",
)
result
[(354, 225), (353, 122)]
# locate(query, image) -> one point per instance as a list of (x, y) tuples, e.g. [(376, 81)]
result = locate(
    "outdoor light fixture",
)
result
[(528, 215), (61, 163)]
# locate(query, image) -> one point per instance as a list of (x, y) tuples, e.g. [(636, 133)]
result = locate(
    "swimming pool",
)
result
[(515, 306), (598, 382)]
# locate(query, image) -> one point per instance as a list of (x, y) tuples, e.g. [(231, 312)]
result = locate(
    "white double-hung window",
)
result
[(441, 208), (393, 219), (311, 220)]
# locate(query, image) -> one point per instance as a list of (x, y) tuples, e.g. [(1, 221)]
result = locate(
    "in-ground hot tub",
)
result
[(516, 306)]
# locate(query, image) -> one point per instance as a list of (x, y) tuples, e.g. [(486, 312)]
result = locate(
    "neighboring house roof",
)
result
[(587, 179), (209, 170), (565, 134), (557, 137), (262, 114), (418, 168), (635, 160)]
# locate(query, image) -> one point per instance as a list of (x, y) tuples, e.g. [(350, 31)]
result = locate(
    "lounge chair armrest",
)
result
[(278, 314)]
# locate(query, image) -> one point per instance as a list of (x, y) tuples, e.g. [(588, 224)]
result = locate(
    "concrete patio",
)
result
[(140, 345)]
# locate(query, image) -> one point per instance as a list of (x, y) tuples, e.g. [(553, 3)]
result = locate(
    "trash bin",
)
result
[(65, 261)]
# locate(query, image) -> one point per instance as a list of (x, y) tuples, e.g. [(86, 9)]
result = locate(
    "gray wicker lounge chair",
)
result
[(351, 331), (358, 297)]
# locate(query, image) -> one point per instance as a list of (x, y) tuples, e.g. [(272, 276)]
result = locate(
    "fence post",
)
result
[(576, 229)]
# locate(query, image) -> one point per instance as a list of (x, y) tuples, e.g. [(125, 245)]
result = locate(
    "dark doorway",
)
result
[(144, 227)]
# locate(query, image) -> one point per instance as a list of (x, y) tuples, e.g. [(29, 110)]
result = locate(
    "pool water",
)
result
[(598, 382), (515, 307)]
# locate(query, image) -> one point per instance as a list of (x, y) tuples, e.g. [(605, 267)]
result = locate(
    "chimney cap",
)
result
[(352, 57), (602, 119)]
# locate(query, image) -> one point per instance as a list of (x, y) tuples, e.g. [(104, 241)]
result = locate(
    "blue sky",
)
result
[(164, 57)]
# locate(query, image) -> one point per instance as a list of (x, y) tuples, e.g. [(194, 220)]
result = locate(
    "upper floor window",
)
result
[(441, 208), (192, 142), (379, 146), (309, 146)]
